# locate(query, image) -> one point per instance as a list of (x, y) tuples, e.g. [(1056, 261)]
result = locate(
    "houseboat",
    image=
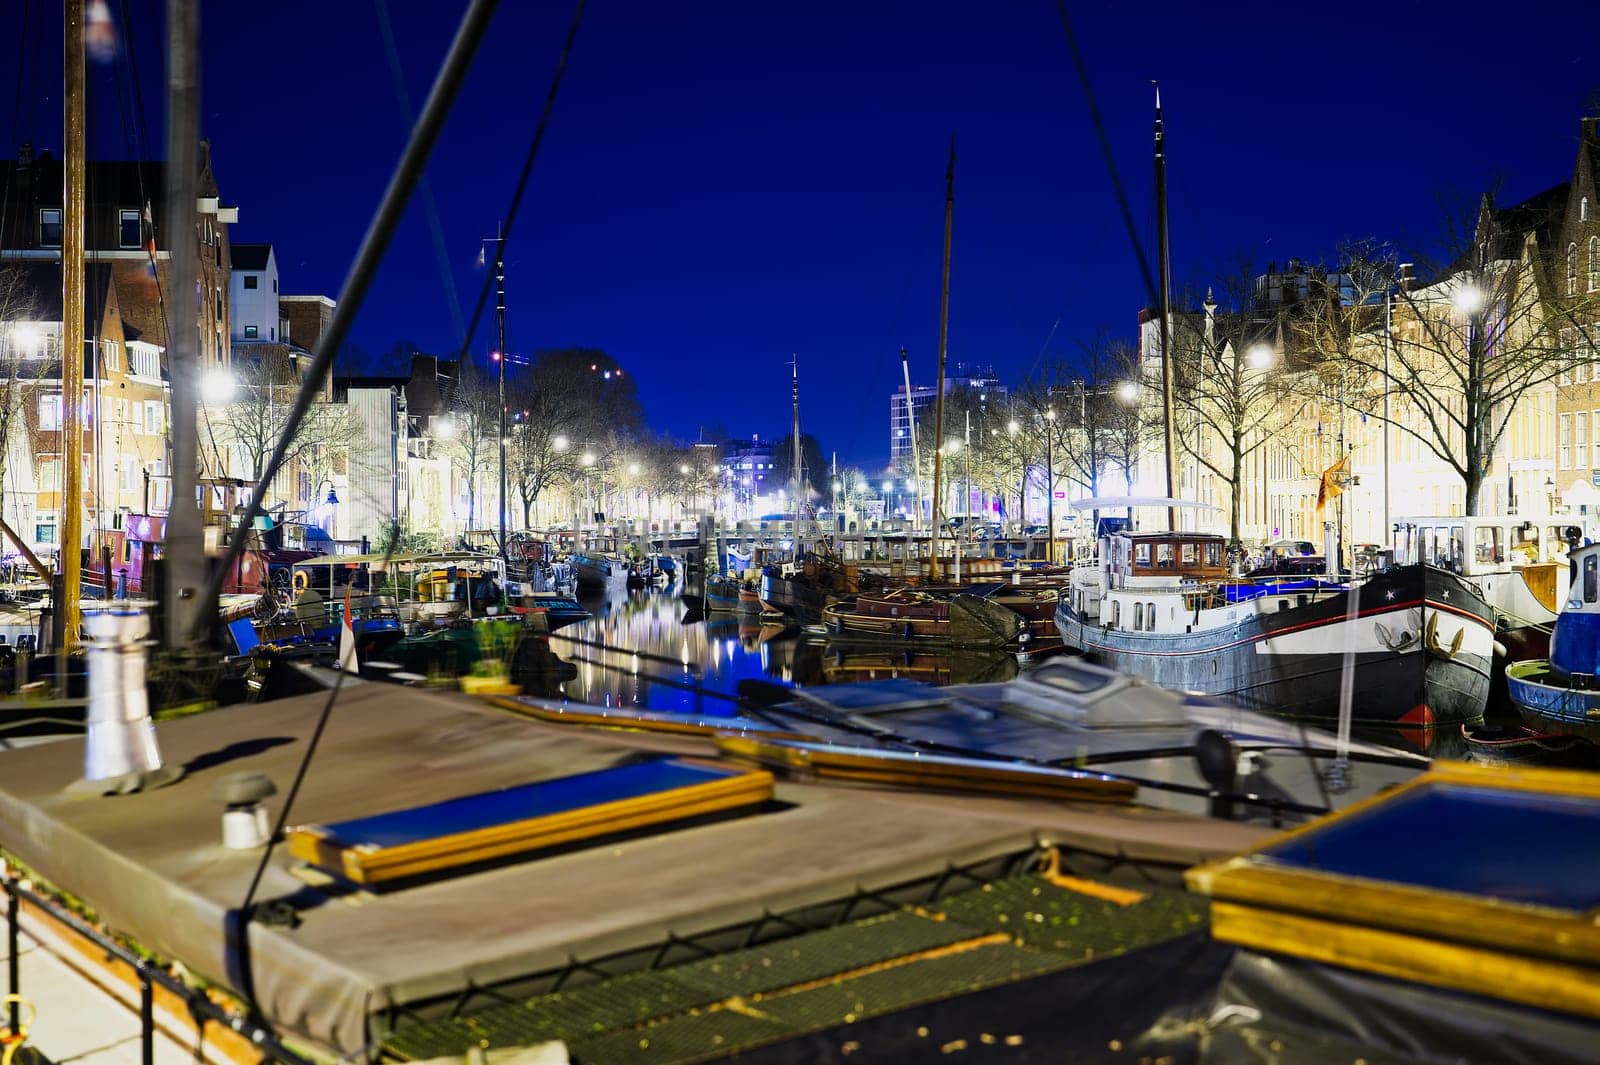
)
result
[(1161, 606)]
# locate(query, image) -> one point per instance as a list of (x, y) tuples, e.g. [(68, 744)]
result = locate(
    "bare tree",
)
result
[(252, 423), (1461, 351), (1233, 392), (472, 429)]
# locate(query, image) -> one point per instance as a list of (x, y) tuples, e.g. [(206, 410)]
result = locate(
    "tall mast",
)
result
[(944, 338), (185, 552), (1164, 267), (794, 370), (500, 325), (72, 325), (916, 450)]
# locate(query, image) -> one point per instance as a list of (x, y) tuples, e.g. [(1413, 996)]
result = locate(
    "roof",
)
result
[(251, 256), (1179, 535), (40, 286)]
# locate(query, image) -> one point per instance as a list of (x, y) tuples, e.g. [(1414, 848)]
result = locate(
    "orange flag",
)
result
[(1334, 480)]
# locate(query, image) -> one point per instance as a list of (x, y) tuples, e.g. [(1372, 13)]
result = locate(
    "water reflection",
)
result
[(648, 649)]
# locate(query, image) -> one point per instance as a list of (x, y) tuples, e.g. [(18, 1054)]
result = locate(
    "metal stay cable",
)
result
[(522, 183), (474, 25)]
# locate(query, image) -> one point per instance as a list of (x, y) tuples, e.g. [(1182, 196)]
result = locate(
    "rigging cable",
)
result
[(1105, 151), (522, 183)]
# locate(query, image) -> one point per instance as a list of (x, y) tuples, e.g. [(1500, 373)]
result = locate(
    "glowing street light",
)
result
[(633, 469), (26, 338), (444, 428), (1468, 299), (216, 387), (683, 468), (1259, 356), (1012, 427), (1128, 392), (561, 443), (888, 486), (588, 458)]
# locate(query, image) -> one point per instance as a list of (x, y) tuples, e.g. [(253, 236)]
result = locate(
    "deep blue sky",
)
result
[(725, 184)]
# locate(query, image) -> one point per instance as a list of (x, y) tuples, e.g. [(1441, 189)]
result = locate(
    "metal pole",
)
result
[(72, 240), (185, 548), (944, 337), (1388, 305), (147, 1020), (916, 450), (13, 959), (474, 24), (1163, 254), (1050, 490), (500, 321)]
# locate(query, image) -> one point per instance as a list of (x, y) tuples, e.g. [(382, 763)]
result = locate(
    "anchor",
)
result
[(1431, 639), (1395, 643)]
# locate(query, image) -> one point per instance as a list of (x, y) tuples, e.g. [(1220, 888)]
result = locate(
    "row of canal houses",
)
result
[(1526, 287), (368, 460)]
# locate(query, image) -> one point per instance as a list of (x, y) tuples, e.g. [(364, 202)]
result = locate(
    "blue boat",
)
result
[(1561, 694)]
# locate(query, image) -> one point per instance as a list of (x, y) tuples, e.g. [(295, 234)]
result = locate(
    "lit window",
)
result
[(128, 228), (152, 417), (50, 412), (50, 227)]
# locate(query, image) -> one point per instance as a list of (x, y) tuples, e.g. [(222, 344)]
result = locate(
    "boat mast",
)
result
[(794, 372), (185, 551), (916, 450), (1164, 267), (944, 337), (72, 328)]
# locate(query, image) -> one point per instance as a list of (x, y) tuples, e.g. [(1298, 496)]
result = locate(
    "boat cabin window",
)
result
[(1141, 554), (1116, 613), (1164, 556), (1555, 545), (1071, 678), (1458, 544), (1150, 616), (1487, 545), (1591, 578), (1213, 554), (1138, 616), (1191, 554)]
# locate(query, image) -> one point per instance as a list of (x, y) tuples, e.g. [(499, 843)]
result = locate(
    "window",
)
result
[(110, 355), (127, 474), (1164, 556), (1141, 554), (1572, 269), (250, 332), (1583, 209), (1191, 554), (50, 227), (152, 417), (1116, 613), (128, 228), (1591, 578), (1580, 440), (1138, 616), (44, 533), (50, 412), (1594, 263), (49, 475), (144, 362), (251, 280), (1564, 459), (274, 284), (1486, 546), (1150, 616)]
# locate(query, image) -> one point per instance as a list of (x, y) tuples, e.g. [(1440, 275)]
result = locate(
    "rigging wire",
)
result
[(522, 182), (1105, 151), (430, 206)]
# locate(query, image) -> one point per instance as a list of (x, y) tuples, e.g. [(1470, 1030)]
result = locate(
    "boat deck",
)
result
[(153, 868)]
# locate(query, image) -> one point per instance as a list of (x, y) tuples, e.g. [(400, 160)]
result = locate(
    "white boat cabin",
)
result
[(1519, 563), (1176, 582)]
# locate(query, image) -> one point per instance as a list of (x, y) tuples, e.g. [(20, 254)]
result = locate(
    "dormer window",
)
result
[(50, 227), (128, 228)]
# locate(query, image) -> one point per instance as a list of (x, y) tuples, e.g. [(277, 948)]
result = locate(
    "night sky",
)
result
[(724, 184)]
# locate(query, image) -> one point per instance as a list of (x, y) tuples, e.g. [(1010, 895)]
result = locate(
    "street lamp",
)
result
[(217, 387), (1259, 356), (1128, 392), (561, 443), (1468, 299), (1050, 485)]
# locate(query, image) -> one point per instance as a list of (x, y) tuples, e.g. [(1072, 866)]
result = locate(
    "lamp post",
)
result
[(1050, 485)]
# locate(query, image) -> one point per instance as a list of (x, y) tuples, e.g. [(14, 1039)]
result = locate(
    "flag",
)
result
[(347, 638), (1334, 480)]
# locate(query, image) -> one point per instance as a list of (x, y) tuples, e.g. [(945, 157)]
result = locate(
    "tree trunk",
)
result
[(1233, 493)]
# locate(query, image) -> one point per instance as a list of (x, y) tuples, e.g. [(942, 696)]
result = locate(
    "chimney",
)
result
[(1408, 276)]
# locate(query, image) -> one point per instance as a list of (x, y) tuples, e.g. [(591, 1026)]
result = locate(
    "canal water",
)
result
[(646, 649)]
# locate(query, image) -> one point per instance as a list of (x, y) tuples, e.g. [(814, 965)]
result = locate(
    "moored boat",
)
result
[(912, 615), (721, 595), (1522, 746), (1160, 606), (596, 573), (1560, 694)]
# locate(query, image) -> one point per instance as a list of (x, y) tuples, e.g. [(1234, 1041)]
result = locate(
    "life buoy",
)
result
[(301, 581)]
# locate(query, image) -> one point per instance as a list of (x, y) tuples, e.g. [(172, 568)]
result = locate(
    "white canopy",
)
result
[(1114, 502)]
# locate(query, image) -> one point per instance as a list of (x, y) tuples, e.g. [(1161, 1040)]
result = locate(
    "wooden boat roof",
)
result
[(438, 558), (140, 859), (1150, 537)]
